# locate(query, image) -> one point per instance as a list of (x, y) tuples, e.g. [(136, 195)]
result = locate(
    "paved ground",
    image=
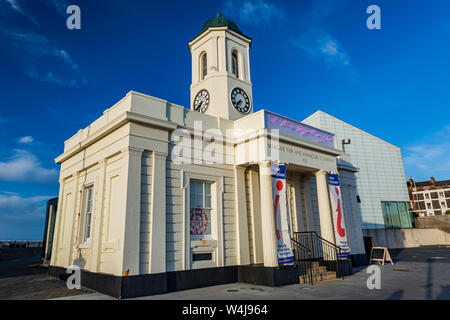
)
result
[(22, 277), (422, 273)]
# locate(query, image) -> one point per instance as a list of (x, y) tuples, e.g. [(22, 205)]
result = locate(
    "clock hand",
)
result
[(240, 102)]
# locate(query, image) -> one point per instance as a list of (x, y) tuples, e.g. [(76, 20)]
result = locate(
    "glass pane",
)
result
[(88, 206), (404, 215), (88, 200), (395, 214), (207, 222), (87, 229), (207, 201), (386, 215), (204, 66)]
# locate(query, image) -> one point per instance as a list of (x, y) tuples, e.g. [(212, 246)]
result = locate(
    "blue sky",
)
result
[(306, 55)]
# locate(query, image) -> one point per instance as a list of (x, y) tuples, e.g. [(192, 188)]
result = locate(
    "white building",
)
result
[(429, 198), (155, 197), (383, 194)]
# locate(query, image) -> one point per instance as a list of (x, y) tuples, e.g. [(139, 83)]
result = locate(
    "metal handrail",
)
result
[(321, 250), (308, 271), (325, 240), (302, 246)]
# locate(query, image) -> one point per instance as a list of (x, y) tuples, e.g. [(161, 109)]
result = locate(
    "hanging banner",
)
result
[(340, 232), (285, 254)]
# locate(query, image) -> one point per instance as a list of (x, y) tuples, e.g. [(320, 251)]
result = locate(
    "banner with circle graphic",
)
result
[(340, 231), (285, 254)]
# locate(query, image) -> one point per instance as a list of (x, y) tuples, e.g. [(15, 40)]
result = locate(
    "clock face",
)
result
[(201, 101), (240, 100)]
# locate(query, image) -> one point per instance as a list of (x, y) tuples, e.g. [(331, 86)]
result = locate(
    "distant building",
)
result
[(429, 198), (383, 195)]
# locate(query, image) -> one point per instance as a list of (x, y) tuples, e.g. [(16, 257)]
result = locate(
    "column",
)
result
[(267, 216), (325, 214), (98, 218), (158, 215), (241, 203), (257, 226), (132, 165), (58, 225)]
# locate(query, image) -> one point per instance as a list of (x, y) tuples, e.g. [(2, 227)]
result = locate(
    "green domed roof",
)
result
[(221, 21)]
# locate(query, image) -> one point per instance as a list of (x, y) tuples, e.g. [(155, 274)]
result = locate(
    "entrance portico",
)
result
[(256, 149)]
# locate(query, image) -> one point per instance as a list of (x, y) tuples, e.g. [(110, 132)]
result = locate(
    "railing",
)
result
[(326, 253), (15, 244), (303, 260)]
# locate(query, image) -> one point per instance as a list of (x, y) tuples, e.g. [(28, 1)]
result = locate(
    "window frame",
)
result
[(85, 241), (211, 208), (235, 63), (203, 65), (216, 244)]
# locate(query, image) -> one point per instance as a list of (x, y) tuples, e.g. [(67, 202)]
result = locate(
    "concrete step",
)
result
[(318, 277), (328, 276), (318, 269)]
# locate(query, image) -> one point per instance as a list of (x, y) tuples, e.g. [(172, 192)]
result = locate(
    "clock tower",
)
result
[(221, 84)]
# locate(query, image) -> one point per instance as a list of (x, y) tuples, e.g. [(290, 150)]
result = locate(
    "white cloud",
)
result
[(324, 47), (16, 7), (254, 12), (26, 139), (38, 49), (429, 156), (15, 207), (23, 166), (317, 43)]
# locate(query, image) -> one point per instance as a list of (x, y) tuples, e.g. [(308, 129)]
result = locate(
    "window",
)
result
[(200, 210), (436, 204), (441, 194), (203, 65), (427, 196), (88, 193), (421, 205), (234, 63), (428, 205), (397, 214)]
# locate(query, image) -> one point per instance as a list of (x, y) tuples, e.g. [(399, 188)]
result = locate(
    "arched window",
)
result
[(234, 64), (203, 65)]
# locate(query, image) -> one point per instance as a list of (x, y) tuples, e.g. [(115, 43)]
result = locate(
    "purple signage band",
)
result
[(298, 130)]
